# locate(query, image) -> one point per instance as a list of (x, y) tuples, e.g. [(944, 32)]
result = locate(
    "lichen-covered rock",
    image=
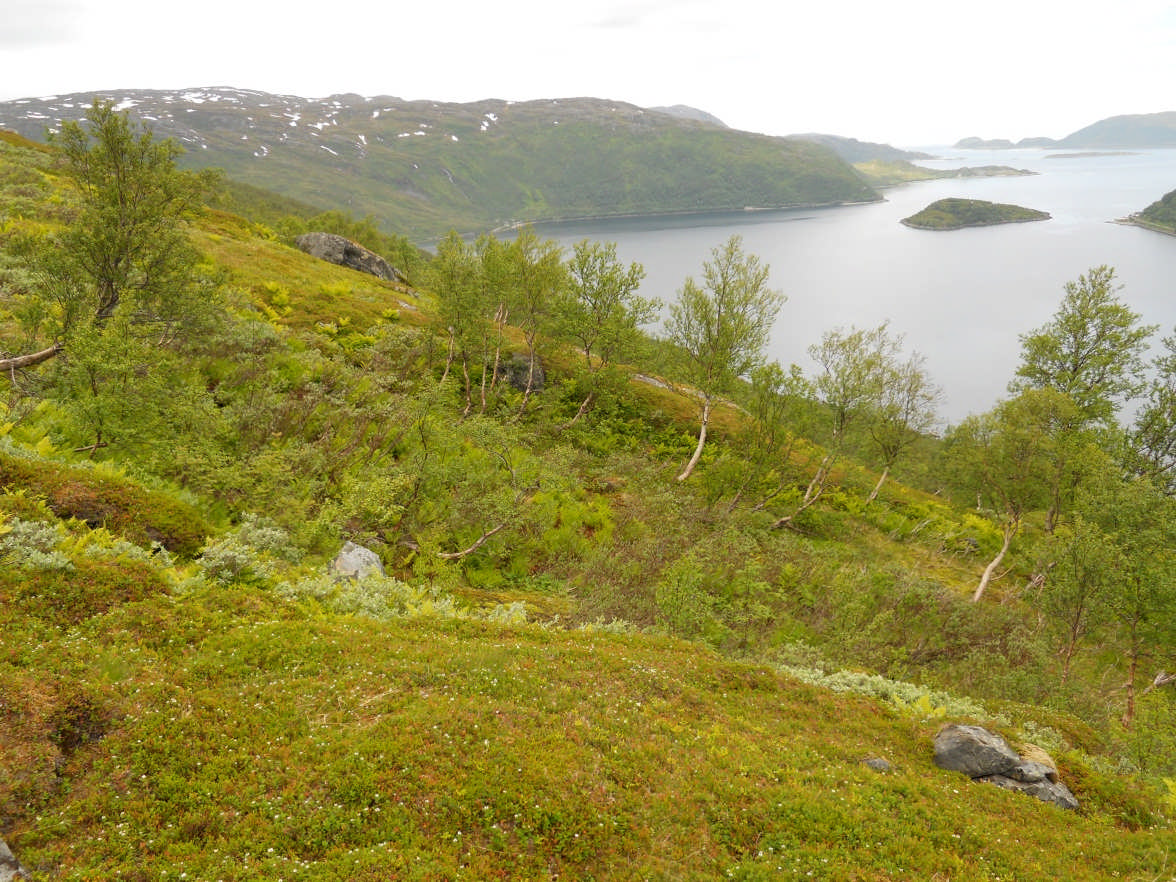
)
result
[(1031, 773), (518, 371), (343, 252), (974, 751), (1031, 753), (356, 562)]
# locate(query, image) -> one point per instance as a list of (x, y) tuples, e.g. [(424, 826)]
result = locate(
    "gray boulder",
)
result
[(517, 370), (343, 252), (10, 868), (356, 562), (974, 751), (1047, 791), (985, 756)]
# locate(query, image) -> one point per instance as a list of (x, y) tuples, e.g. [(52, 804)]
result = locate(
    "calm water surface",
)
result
[(961, 298)]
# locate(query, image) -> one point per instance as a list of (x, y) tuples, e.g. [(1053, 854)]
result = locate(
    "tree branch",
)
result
[(458, 555), (1162, 679), (23, 361)]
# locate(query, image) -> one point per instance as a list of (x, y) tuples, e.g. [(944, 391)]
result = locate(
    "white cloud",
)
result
[(26, 23), (907, 72)]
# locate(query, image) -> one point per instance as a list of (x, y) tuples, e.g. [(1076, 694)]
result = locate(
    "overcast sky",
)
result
[(906, 72)]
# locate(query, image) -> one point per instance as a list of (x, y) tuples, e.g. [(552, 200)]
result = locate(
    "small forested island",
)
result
[(955, 214)]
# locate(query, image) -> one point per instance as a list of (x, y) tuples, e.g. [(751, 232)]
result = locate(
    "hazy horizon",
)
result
[(900, 73)]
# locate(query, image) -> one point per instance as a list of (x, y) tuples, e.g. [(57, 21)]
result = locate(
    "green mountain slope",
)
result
[(225, 733), (1139, 130), (575, 666), (422, 168), (1131, 130)]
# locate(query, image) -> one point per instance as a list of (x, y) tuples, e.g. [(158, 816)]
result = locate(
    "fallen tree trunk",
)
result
[(23, 361)]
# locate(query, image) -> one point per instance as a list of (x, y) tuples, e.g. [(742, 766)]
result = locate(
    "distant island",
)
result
[(955, 214), (890, 173), (1087, 154)]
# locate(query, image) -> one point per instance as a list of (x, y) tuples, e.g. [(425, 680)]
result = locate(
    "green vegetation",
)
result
[(424, 167), (1159, 216), (955, 214), (891, 173), (573, 665)]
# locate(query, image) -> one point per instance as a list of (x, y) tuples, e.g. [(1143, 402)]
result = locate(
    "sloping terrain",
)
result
[(631, 678), (425, 167)]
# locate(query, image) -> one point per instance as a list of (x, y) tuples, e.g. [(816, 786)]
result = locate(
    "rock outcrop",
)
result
[(342, 251), (517, 371), (355, 562), (985, 756), (10, 868)]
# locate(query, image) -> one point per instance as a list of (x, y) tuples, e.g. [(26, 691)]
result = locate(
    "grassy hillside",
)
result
[(630, 678), (230, 733), (424, 168)]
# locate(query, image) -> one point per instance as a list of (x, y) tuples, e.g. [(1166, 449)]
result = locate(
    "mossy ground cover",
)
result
[(256, 741), (181, 709)]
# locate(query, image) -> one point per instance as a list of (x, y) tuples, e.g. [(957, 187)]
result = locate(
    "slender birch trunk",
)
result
[(1010, 531), (706, 408)]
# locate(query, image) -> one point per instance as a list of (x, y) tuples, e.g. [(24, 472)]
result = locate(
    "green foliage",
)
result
[(1161, 213), (1091, 350), (255, 550), (908, 698), (722, 327), (129, 242), (1151, 448), (160, 711), (116, 503), (31, 545), (955, 214)]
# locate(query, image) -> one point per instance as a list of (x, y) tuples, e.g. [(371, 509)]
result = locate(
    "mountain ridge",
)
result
[(423, 167), (1125, 130)]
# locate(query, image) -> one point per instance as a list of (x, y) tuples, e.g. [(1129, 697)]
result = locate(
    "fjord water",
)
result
[(961, 298)]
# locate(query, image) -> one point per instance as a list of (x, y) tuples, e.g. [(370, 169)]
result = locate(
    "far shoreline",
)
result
[(685, 213), (1136, 221)]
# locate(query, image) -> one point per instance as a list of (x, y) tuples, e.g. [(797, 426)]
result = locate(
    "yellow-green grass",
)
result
[(242, 739)]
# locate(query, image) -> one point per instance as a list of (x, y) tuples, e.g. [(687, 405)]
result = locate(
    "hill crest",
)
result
[(423, 167)]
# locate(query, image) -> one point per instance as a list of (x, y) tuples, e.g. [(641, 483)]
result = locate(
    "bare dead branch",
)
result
[(458, 555), (18, 362)]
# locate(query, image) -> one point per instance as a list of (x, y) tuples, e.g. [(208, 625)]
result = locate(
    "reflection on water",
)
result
[(961, 298)]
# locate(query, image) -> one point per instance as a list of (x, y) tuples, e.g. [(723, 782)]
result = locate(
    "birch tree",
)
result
[(852, 368), (1091, 351), (1006, 457), (601, 310), (722, 326)]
